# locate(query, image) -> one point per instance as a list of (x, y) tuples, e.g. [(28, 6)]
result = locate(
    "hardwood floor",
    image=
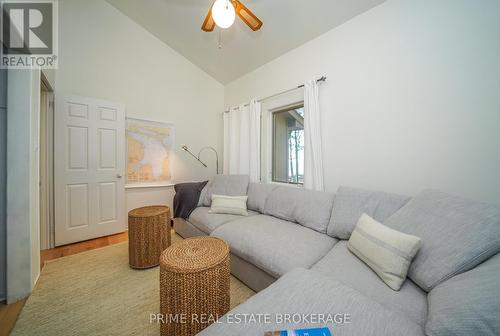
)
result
[(9, 313), (66, 250), (8, 316)]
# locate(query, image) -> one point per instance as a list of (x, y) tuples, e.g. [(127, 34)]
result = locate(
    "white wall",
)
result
[(104, 54), (23, 250), (3, 181), (412, 98)]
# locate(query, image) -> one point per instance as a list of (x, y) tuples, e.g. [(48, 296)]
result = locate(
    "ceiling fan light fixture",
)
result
[(223, 13)]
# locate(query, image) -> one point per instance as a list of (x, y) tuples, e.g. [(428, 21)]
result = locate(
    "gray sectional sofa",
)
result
[(292, 249)]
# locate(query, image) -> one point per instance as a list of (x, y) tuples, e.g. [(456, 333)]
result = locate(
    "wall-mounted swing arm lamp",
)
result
[(197, 157)]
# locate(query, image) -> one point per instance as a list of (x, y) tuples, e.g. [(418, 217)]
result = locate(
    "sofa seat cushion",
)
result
[(457, 234), (307, 207), (306, 294), (343, 266), (274, 245), (351, 203), (467, 304), (207, 222)]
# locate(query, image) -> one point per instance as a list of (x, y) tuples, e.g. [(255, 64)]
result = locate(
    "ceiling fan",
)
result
[(223, 12)]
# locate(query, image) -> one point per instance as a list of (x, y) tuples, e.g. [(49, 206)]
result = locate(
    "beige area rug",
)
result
[(97, 293)]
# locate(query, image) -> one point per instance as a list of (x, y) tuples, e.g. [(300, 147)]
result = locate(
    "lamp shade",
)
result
[(223, 13)]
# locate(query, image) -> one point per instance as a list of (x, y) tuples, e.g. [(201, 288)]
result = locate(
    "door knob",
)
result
[(119, 175)]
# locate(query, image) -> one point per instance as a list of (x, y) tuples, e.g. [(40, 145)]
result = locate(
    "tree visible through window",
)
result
[(288, 146)]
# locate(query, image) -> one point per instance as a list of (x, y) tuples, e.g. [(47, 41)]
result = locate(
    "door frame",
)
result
[(47, 184)]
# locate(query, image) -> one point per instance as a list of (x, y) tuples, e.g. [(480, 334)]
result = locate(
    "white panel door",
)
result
[(89, 144)]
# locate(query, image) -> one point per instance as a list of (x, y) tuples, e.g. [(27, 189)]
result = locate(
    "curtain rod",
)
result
[(322, 79)]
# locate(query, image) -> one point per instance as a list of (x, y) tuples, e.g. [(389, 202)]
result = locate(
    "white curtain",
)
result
[(242, 140), (313, 162)]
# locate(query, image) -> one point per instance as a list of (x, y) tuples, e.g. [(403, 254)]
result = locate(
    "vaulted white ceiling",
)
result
[(287, 25)]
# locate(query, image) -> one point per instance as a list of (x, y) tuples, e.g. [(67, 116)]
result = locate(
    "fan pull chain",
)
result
[(220, 39)]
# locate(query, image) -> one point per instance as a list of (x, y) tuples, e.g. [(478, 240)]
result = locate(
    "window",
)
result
[(288, 145)]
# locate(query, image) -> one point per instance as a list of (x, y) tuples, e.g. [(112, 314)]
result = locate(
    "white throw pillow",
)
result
[(233, 205), (386, 251)]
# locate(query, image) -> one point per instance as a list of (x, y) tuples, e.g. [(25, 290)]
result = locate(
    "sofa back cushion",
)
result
[(467, 304), (457, 234), (229, 185), (351, 203), (309, 208), (258, 194)]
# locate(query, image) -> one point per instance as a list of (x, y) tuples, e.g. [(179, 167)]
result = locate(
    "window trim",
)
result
[(280, 102), (271, 137)]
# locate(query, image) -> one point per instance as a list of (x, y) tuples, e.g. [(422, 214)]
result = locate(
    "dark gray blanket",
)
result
[(186, 198)]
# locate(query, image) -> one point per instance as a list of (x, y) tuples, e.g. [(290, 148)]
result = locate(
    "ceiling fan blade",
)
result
[(209, 23), (247, 16)]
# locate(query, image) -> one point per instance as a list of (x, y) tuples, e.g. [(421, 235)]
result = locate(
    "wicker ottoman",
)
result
[(194, 285), (148, 235)]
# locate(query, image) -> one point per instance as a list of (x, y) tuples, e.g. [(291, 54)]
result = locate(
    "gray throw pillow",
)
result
[(467, 304), (351, 203), (457, 234)]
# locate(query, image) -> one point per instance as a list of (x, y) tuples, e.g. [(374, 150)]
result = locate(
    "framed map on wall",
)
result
[(150, 147)]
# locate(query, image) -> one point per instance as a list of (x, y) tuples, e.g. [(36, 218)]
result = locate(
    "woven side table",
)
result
[(148, 235), (194, 285)]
